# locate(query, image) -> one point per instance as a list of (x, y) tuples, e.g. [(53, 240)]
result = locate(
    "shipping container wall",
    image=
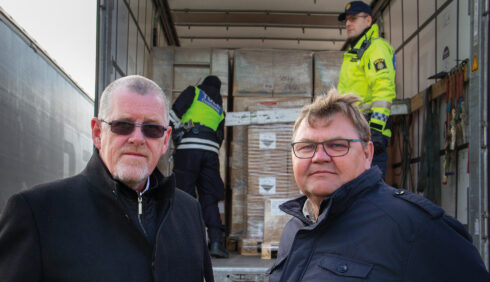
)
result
[(428, 37), (45, 116)]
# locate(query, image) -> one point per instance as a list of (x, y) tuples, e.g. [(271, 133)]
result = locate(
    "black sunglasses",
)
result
[(123, 127)]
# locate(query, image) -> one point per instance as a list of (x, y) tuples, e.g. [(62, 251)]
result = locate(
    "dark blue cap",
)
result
[(356, 7)]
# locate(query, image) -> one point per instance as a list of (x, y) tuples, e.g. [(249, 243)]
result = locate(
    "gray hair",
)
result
[(326, 106), (136, 83)]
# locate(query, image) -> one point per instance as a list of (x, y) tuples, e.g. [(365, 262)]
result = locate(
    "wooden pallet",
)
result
[(269, 250), (250, 247), (232, 244)]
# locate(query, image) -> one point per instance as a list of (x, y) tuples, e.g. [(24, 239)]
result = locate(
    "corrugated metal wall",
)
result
[(45, 116)]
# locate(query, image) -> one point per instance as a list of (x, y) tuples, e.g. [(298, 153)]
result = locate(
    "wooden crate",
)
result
[(250, 247), (269, 250)]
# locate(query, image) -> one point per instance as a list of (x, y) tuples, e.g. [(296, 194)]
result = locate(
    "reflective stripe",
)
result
[(381, 104), (198, 146), (199, 141), (174, 118), (365, 107), (375, 104)]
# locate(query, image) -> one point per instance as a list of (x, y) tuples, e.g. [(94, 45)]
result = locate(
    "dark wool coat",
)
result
[(368, 230), (78, 229)]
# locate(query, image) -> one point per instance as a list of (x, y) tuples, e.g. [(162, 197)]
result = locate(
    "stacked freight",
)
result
[(261, 161)]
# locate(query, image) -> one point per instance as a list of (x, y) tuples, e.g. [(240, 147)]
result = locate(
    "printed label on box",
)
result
[(267, 185), (275, 203), (267, 140)]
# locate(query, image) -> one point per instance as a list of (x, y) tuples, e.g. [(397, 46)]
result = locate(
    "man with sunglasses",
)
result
[(368, 70), (350, 225), (198, 118), (118, 220)]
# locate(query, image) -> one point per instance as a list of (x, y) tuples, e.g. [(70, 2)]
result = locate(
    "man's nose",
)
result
[(320, 155), (137, 136)]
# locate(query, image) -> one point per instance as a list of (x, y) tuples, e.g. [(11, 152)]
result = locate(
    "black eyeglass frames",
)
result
[(333, 148), (123, 127)]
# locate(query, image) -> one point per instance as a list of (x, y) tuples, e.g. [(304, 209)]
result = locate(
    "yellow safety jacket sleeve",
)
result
[(380, 75)]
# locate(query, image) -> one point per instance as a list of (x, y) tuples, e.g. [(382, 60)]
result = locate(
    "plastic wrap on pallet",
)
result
[(327, 70), (273, 72)]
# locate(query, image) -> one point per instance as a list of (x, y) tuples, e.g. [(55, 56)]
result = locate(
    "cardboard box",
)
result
[(327, 70), (273, 72)]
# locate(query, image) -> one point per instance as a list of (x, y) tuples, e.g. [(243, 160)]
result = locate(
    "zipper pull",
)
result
[(140, 204)]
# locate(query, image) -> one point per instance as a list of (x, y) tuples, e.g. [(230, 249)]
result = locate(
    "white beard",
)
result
[(131, 172)]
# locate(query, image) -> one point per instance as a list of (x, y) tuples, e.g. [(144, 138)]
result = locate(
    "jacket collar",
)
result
[(340, 200), (369, 34), (99, 176)]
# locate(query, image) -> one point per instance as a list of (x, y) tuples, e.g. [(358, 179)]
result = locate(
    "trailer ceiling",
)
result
[(284, 24)]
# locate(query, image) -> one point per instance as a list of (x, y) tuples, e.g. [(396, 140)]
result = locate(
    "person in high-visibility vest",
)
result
[(368, 70), (197, 117)]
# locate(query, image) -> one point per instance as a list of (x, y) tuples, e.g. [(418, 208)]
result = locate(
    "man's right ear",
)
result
[(96, 132)]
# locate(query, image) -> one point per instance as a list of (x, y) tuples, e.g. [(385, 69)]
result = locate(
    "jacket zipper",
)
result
[(140, 213)]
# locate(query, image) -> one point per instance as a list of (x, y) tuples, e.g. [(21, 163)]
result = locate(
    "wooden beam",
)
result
[(437, 89), (258, 19)]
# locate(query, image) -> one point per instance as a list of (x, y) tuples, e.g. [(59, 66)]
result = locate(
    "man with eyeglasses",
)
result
[(368, 70), (350, 225), (118, 220)]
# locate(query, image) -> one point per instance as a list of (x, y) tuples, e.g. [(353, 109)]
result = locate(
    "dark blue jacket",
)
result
[(368, 230)]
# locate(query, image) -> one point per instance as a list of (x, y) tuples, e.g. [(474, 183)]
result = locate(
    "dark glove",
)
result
[(177, 135), (379, 141)]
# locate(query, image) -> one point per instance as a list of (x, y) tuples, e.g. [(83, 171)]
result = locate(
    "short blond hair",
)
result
[(325, 106)]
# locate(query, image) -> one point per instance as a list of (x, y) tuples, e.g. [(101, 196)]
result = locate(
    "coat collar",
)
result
[(340, 200), (99, 176), (370, 34)]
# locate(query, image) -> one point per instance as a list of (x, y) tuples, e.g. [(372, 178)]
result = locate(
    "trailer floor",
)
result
[(241, 268)]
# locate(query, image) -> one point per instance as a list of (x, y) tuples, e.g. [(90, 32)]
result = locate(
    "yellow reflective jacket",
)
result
[(372, 77), (204, 111)]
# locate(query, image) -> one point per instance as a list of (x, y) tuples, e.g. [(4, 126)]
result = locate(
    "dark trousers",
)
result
[(199, 169), (381, 160)]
